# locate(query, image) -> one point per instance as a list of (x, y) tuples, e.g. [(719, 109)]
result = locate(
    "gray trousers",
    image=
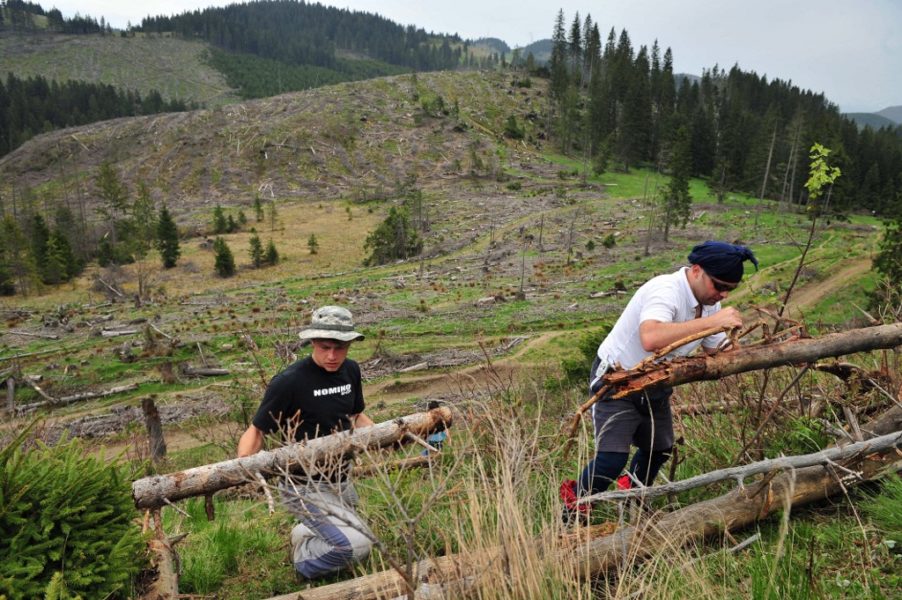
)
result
[(330, 535)]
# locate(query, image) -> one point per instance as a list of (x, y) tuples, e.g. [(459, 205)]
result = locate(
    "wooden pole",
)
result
[(11, 394), (152, 492)]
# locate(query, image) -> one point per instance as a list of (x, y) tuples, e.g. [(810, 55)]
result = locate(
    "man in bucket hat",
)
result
[(664, 310), (316, 396)]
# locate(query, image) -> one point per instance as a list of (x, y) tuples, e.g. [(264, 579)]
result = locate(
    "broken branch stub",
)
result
[(152, 492)]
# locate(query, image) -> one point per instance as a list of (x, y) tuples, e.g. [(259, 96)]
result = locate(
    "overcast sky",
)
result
[(849, 49)]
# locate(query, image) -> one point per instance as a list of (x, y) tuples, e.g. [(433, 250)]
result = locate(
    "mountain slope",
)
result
[(893, 113), (872, 120), (354, 140), (177, 68)]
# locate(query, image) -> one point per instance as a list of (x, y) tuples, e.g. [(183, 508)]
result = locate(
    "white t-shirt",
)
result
[(665, 298)]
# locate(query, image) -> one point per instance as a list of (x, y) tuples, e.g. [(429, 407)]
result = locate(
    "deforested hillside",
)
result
[(176, 68), (360, 140)]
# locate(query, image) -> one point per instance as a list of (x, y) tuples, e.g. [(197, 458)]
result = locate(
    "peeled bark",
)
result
[(153, 492)]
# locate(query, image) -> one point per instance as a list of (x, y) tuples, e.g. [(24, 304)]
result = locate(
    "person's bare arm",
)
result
[(251, 442), (655, 335), (361, 420)]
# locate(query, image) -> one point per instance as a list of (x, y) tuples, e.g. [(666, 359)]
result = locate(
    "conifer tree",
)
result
[(114, 194), (225, 260), (220, 225), (558, 63), (313, 244), (17, 257), (272, 255), (258, 209), (54, 268), (677, 201), (395, 238), (40, 236), (256, 251), (167, 239), (144, 218)]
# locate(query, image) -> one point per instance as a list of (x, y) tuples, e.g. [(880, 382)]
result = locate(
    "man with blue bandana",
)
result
[(664, 310)]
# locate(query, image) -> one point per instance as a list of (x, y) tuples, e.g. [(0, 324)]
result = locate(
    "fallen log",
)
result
[(117, 332), (591, 555), (829, 456), (153, 492), (791, 352), (678, 371), (204, 371), (77, 397), (46, 336)]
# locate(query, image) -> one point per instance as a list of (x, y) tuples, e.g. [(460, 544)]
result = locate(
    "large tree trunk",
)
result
[(153, 492), (685, 370)]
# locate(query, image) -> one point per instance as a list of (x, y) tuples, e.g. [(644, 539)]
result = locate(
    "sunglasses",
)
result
[(721, 286)]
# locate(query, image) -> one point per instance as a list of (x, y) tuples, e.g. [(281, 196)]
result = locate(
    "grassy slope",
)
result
[(480, 226), (172, 66)]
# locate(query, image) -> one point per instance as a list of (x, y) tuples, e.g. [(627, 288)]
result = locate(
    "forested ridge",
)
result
[(32, 106), (18, 15), (311, 34), (623, 107)]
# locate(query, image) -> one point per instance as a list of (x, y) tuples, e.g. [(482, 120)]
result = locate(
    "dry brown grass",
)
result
[(340, 250)]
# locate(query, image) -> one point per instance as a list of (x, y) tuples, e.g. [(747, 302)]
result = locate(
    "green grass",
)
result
[(178, 70), (242, 539)]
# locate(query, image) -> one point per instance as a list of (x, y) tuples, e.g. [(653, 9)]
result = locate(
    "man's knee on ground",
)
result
[(316, 555)]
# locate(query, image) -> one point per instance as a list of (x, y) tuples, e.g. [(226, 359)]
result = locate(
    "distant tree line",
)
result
[(301, 33), (54, 245), (620, 108), (19, 16), (258, 77), (32, 106)]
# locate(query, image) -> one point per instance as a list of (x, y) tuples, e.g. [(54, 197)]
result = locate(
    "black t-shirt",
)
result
[(309, 401)]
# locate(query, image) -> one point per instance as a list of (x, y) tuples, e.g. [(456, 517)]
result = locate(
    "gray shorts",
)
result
[(642, 419)]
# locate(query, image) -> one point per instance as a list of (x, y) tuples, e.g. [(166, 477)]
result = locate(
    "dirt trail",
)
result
[(810, 295), (460, 381)]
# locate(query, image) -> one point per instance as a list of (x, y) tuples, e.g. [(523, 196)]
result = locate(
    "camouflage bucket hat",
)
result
[(331, 323)]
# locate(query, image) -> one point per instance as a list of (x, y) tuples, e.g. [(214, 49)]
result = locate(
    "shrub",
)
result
[(65, 524), (512, 129)]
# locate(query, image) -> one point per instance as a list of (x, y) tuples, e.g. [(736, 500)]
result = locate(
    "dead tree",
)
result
[(153, 492), (154, 429)]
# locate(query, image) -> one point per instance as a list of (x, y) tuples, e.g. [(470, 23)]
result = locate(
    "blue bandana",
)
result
[(721, 260)]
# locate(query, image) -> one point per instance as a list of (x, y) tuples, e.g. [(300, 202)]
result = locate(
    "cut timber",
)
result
[(46, 336), (117, 332), (152, 492), (204, 371), (824, 457), (791, 352), (592, 554), (76, 397)]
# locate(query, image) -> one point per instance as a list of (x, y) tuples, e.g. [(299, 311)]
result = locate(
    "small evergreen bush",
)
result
[(66, 524)]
